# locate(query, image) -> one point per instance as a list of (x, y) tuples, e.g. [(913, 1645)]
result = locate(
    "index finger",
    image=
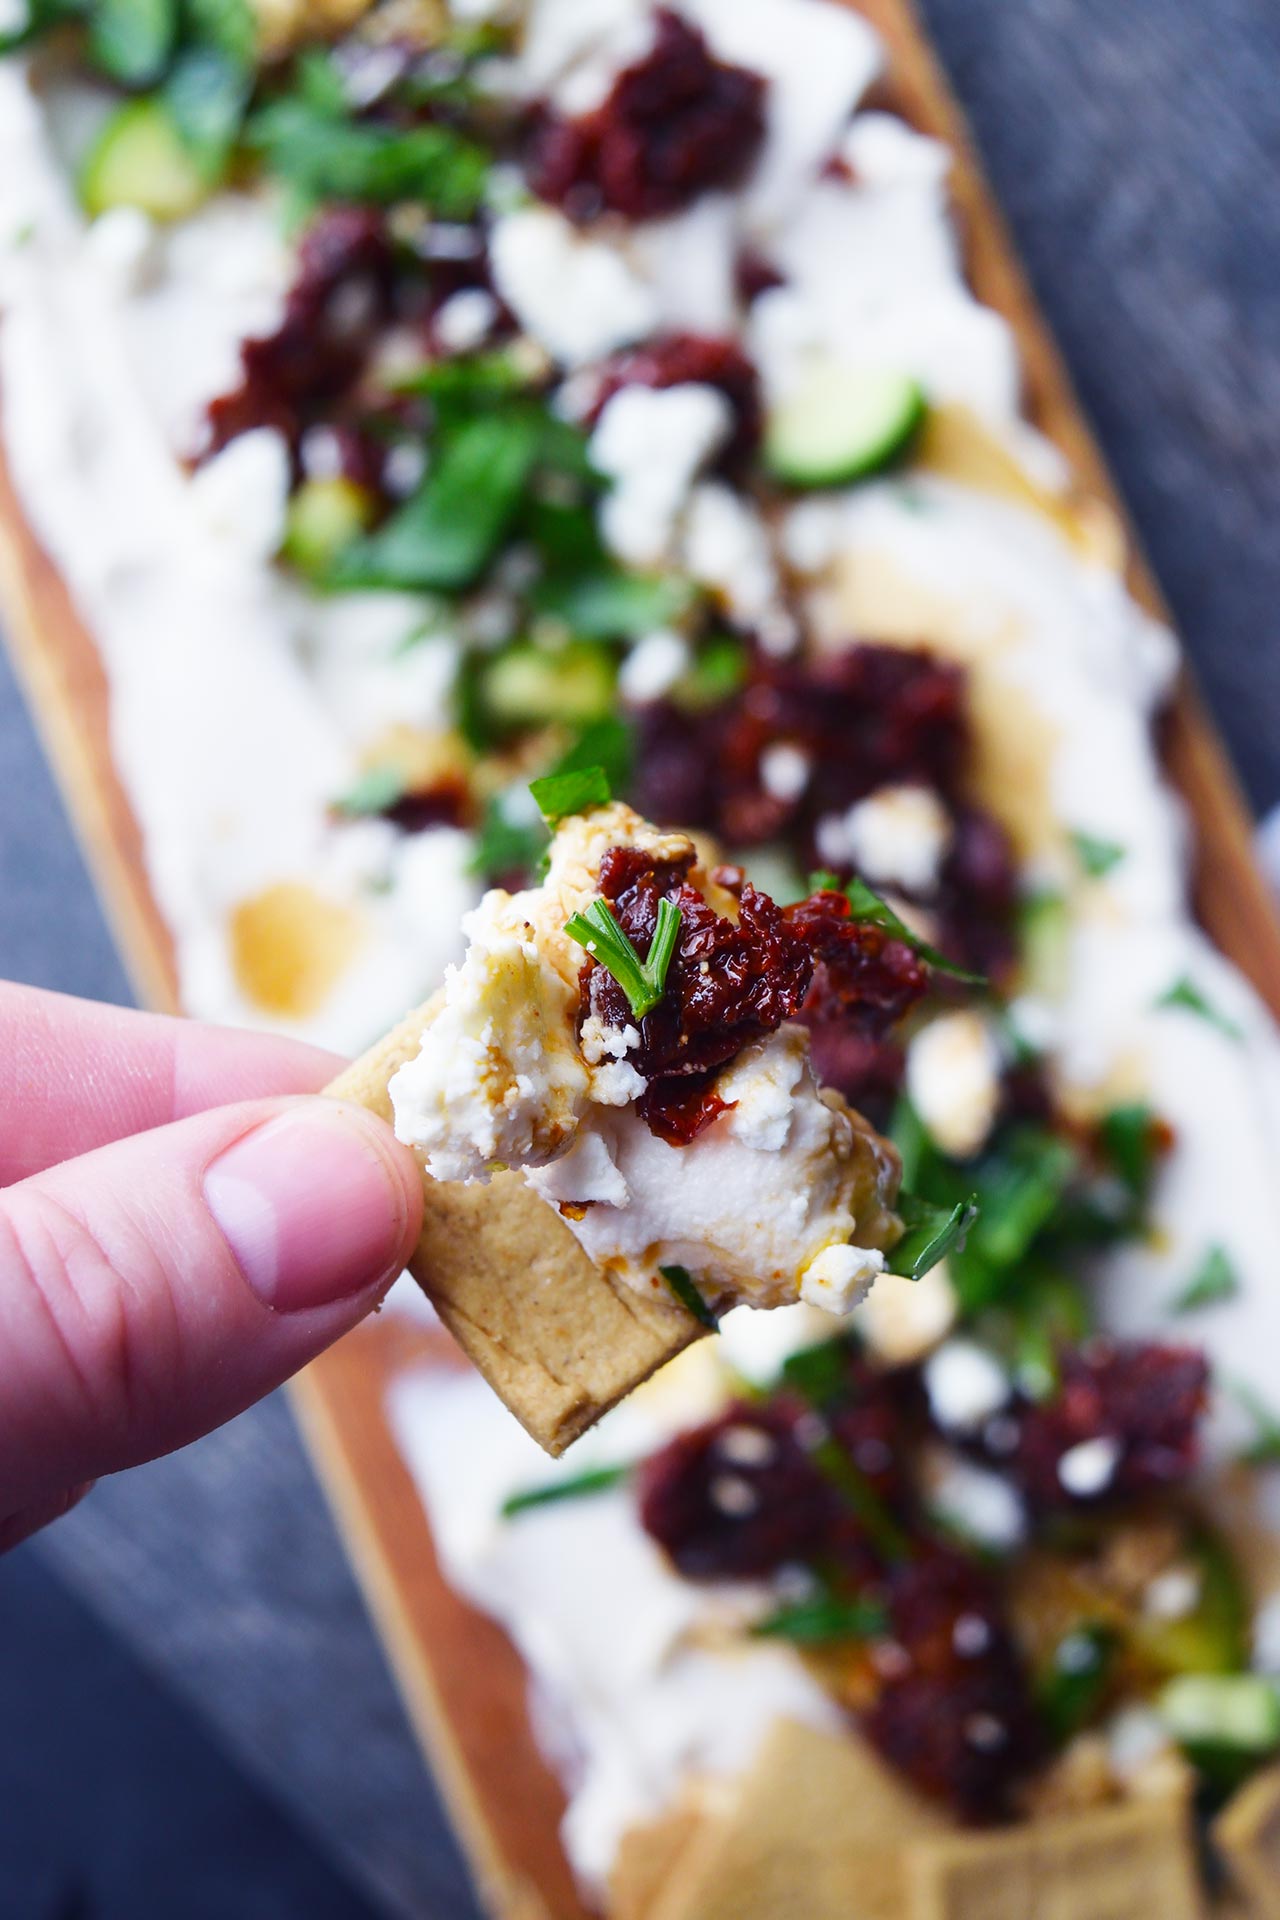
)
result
[(75, 1075)]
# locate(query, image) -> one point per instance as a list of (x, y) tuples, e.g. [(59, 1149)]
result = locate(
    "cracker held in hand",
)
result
[(618, 1121)]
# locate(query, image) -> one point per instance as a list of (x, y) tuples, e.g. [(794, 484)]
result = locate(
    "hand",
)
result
[(177, 1236)]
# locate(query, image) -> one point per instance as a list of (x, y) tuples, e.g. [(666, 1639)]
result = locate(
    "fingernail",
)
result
[(311, 1206)]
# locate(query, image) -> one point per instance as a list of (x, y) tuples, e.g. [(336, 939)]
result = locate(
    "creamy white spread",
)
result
[(764, 1205), (242, 704)]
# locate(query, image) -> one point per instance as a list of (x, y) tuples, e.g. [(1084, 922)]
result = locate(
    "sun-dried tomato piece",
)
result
[(1141, 1403), (737, 1498), (978, 894), (726, 985), (340, 297), (678, 359), (676, 124), (862, 970), (678, 1106), (954, 1710)]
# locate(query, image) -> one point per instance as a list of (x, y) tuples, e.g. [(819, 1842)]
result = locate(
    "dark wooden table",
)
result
[(1136, 151)]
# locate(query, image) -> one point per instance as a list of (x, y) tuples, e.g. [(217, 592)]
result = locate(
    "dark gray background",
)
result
[(1136, 150)]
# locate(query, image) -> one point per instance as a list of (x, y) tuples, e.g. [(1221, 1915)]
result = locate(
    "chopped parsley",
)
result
[(1215, 1280), (931, 1233), (594, 1480), (1097, 857), (824, 1617), (681, 1283), (572, 790), (1185, 993), (643, 981), (869, 908)]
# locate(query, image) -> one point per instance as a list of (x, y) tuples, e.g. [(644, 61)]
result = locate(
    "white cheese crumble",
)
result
[(980, 1504), (727, 548), (574, 293), (966, 1384), (653, 666), (953, 1081), (1090, 1467), (652, 442), (898, 836), (241, 496), (123, 242), (465, 320), (840, 1278), (784, 771)]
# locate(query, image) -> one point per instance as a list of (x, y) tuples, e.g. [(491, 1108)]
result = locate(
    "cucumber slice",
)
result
[(1239, 1712), (840, 424), (324, 517), (529, 686), (140, 160)]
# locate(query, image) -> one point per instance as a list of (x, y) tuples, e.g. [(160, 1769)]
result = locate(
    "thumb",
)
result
[(153, 1288)]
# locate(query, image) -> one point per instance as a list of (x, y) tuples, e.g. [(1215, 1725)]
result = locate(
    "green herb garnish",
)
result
[(820, 1374), (607, 603), (1097, 857), (443, 538), (1185, 993), (1264, 1449), (594, 1480), (372, 793), (574, 790), (871, 910), (931, 1233), (681, 1283), (1128, 1139), (862, 1500), (1214, 1280), (823, 1618), (643, 981), (1076, 1681)]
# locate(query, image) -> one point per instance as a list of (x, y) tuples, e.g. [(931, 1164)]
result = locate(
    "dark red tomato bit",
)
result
[(753, 275), (1145, 1400), (676, 124), (678, 1106), (726, 985), (861, 969), (340, 298), (978, 894), (954, 1711), (678, 359), (737, 1498), (445, 803)]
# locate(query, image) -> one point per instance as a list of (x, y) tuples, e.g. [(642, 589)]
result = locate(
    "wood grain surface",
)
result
[(463, 1683)]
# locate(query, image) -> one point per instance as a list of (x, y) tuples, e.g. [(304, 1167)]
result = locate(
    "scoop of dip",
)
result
[(689, 1136)]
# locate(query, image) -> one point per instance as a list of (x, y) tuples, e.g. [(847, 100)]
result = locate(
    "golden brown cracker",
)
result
[(816, 1830), (1130, 1862), (558, 1340), (648, 1857), (1247, 1832)]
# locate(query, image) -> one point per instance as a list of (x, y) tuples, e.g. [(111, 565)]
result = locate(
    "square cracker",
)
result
[(817, 1829), (1247, 1832), (557, 1339), (1128, 1862)]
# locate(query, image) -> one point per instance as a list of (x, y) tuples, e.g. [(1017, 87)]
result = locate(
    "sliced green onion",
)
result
[(643, 981), (681, 1283)]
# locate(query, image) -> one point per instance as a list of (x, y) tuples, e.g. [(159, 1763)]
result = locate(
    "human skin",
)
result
[(182, 1226)]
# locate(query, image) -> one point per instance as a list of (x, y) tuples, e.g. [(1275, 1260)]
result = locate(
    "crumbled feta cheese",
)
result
[(903, 1319), (600, 1041), (966, 1384), (980, 1504), (652, 442), (1089, 1468), (587, 1175), (403, 468), (726, 548), (653, 666), (840, 1278), (1173, 1594), (812, 531), (897, 836), (953, 1081), (784, 771), (123, 243), (242, 495), (574, 293), (465, 320), (883, 151), (1136, 1736)]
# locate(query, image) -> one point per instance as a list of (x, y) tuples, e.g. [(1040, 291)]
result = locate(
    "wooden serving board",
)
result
[(463, 1683)]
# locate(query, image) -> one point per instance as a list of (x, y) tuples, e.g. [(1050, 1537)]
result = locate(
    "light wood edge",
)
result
[(65, 685)]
